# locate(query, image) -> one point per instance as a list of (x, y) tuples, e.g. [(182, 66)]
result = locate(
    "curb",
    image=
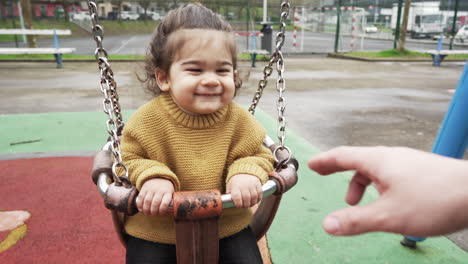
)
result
[(347, 57)]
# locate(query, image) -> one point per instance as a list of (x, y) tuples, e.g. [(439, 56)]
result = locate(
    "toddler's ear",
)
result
[(162, 79), (237, 79)]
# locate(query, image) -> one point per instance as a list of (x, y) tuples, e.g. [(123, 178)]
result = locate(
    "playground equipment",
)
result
[(201, 244), (452, 139)]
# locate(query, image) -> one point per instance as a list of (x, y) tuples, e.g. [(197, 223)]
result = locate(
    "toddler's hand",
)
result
[(245, 189), (155, 196)]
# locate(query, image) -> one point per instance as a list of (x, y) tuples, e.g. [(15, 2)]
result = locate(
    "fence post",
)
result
[(337, 34), (353, 28), (58, 56), (454, 24), (295, 19), (397, 29)]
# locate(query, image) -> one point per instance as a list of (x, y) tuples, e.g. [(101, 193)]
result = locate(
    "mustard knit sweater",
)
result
[(195, 152)]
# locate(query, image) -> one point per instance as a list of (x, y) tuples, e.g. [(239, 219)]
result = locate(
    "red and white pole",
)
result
[(353, 28), (295, 30)]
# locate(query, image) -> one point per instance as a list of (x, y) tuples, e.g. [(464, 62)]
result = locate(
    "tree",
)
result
[(404, 25), (144, 4), (162, 4), (212, 4), (27, 16), (65, 5), (175, 4)]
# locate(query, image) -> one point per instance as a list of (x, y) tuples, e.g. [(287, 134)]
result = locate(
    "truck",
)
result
[(424, 20)]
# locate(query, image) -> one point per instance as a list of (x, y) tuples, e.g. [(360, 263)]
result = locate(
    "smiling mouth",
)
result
[(208, 94)]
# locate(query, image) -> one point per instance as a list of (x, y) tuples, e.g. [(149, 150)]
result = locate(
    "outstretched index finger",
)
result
[(343, 159)]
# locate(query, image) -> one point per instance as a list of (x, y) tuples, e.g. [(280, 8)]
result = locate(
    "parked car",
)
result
[(370, 29), (145, 17), (112, 15), (126, 15), (156, 16), (80, 16), (149, 16)]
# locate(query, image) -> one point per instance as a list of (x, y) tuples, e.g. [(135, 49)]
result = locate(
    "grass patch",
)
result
[(391, 53), (400, 55), (246, 56), (67, 57)]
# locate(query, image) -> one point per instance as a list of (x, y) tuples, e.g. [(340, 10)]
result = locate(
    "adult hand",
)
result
[(245, 190), (421, 194)]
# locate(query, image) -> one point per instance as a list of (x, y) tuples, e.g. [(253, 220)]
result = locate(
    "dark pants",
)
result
[(253, 57), (240, 248)]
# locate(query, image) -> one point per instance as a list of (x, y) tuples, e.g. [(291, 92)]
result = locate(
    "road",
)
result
[(313, 43)]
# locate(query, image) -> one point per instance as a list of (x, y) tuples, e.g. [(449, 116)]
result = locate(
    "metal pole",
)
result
[(247, 24), (397, 29), (375, 11), (12, 15), (454, 24), (302, 30), (20, 12), (337, 34), (265, 11)]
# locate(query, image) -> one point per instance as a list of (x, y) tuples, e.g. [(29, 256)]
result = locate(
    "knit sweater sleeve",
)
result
[(137, 138), (140, 167), (250, 156)]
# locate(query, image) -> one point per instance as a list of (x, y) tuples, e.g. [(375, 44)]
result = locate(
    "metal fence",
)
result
[(372, 27)]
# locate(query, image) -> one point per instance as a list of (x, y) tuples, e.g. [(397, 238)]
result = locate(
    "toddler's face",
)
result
[(201, 77)]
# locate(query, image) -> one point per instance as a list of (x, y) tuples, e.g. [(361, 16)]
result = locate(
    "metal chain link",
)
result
[(276, 57), (111, 105), (108, 87)]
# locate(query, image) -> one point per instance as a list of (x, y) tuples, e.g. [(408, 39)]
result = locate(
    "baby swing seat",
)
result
[(195, 213)]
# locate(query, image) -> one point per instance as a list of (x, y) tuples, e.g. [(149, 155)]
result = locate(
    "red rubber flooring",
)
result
[(68, 223)]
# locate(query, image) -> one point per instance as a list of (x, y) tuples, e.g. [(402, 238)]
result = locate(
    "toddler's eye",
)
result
[(223, 70), (194, 70)]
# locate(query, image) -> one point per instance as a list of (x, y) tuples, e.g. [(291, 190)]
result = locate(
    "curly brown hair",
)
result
[(161, 52)]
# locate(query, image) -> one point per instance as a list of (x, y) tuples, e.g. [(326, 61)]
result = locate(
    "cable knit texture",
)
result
[(195, 152)]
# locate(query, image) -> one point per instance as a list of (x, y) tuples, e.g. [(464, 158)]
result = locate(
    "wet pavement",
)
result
[(329, 102)]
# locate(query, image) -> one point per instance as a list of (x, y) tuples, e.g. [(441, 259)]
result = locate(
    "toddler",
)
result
[(192, 136)]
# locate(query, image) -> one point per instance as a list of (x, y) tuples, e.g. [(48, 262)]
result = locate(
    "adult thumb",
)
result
[(356, 220)]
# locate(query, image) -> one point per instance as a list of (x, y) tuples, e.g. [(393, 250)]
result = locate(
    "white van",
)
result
[(462, 33)]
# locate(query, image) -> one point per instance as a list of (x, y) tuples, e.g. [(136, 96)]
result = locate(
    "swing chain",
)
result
[(108, 87), (276, 57)]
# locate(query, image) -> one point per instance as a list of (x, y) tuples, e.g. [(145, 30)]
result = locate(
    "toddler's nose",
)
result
[(210, 80)]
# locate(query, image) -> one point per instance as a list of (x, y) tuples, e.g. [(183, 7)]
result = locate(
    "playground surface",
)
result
[(52, 123)]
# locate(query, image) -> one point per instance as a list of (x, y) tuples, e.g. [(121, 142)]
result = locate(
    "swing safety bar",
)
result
[(281, 180), (268, 189)]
